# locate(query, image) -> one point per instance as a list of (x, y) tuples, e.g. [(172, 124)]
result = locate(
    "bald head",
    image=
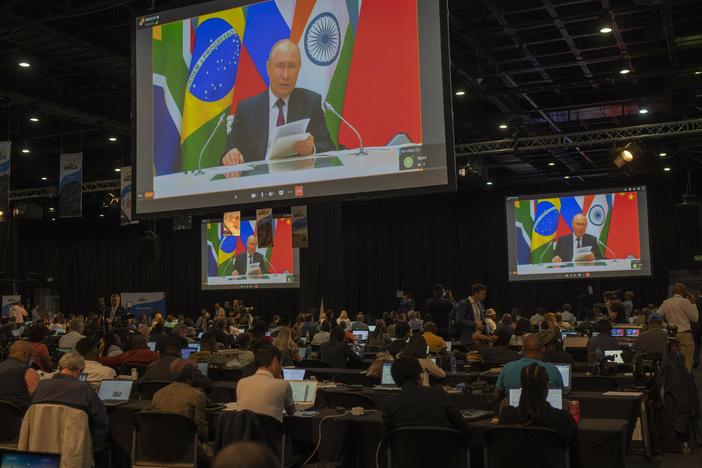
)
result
[(579, 224), (533, 347), (21, 350), (283, 67), (182, 369)]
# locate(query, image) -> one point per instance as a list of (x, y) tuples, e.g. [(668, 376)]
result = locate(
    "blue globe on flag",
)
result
[(546, 219), (215, 60)]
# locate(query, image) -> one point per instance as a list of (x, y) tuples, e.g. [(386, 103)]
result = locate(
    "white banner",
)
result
[(71, 185), (5, 148), (125, 196)]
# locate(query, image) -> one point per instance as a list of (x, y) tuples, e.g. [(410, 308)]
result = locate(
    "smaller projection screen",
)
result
[(589, 234), (237, 262)]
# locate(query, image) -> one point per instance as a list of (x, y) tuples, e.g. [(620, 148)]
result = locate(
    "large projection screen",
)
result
[(576, 235), (242, 102), (238, 262)]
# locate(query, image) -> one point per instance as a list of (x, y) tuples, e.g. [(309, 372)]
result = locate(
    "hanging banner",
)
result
[(8, 302), (299, 227), (144, 304), (71, 185), (264, 227), (231, 223), (5, 147), (125, 196)]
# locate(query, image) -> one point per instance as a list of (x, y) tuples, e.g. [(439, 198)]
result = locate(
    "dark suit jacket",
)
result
[(240, 262), (250, 127), (465, 320), (564, 247), (421, 406)]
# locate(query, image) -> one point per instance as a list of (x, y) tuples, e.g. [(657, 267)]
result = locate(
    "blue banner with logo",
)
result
[(71, 185)]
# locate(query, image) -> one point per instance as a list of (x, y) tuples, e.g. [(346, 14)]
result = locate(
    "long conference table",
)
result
[(604, 430)]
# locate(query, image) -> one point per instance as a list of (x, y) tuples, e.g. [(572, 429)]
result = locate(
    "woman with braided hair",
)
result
[(535, 411)]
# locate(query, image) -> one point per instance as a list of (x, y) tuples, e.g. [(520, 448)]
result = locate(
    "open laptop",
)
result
[(12, 459), (195, 346), (554, 397), (386, 380), (186, 352), (203, 367), (566, 371), (151, 345), (304, 393), (115, 392), (617, 353), (360, 335), (290, 373)]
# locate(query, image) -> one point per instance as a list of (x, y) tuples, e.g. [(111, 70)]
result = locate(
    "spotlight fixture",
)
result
[(44, 178), (643, 110), (488, 182), (624, 67), (624, 71), (34, 119), (666, 169), (663, 155), (112, 139), (53, 219), (625, 155), (552, 163), (51, 208), (24, 64), (566, 177), (503, 126), (605, 23), (460, 93), (606, 30), (102, 215), (25, 150), (118, 169)]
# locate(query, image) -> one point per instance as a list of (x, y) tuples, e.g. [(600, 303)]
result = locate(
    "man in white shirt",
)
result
[(266, 392), (18, 312), (75, 334), (567, 315), (680, 310), (95, 371)]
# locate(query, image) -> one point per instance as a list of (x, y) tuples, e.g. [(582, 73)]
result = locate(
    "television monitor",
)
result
[(293, 374), (360, 335), (186, 352), (577, 235), (241, 102), (617, 332), (237, 262), (632, 332), (554, 397)]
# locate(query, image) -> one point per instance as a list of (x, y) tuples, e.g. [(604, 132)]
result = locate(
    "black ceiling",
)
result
[(539, 66)]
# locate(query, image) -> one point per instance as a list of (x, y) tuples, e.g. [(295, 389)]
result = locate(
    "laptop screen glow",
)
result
[(115, 389), (29, 459), (564, 369), (361, 335), (303, 391), (151, 345), (386, 377), (293, 374), (554, 397)]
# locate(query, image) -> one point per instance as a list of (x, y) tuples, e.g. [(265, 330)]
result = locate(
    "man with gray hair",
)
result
[(66, 388), (75, 334), (258, 116)]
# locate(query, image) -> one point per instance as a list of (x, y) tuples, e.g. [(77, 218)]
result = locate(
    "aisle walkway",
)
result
[(672, 460)]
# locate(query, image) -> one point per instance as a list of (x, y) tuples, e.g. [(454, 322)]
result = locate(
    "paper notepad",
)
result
[(285, 136), (581, 254)]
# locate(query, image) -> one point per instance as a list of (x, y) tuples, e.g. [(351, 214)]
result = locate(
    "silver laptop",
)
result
[(386, 380), (566, 370), (304, 393), (554, 397), (290, 373), (115, 392)]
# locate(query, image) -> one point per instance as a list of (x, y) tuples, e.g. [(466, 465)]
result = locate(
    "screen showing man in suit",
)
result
[(587, 234), (237, 261), (289, 99)]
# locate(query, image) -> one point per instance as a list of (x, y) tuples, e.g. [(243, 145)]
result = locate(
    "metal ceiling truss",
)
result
[(593, 137), (50, 192)]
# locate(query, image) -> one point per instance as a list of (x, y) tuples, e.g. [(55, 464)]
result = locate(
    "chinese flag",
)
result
[(623, 236), (281, 253)]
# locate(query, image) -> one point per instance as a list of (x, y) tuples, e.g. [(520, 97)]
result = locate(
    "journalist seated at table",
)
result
[(402, 334), (533, 351), (75, 334), (434, 341), (498, 351), (161, 369), (417, 348), (181, 397), (653, 340), (535, 411), (94, 371), (18, 381), (266, 392), (139, 354), (336, 352), (604, 340), (554, 350), (66, 388), (208, 352), (417, 405)]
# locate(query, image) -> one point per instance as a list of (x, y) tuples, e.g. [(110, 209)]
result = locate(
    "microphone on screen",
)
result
[(608, 249), (202, 151), (544, 252), (330, 108)]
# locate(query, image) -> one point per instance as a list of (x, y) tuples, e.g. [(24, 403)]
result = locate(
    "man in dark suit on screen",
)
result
[(258, 116), (245, 262), (566, 245)]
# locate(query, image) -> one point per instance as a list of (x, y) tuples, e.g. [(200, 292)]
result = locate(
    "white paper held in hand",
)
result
[(285, 136)]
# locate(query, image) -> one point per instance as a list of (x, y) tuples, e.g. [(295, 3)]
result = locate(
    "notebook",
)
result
[(115, 392), (12, 459), (293, 374), (304, 392)]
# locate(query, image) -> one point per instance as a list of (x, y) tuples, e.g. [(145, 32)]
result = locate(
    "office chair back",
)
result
[(513, 445), (11, 416), (152, 428), (409, 447)]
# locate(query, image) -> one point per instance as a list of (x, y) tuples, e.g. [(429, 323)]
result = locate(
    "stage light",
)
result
[(460, 93), (605, 23), (53, 219), (625, 155), (25, 150), (34, 119), (24, 64), (552, 163), (566, 177), (488, 183), (624, 71), (44, 178), (51, 208), (102, 215), (117, 169), (643, 110), (606, 30), (662, 155), (112, 139), (503, 126), (666, 169)]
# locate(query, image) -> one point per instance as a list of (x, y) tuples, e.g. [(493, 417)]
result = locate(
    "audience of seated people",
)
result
[(498, 352), (335, 352), (75, 333), (94, 371), (604, 340), (160, 369), (417, 348)]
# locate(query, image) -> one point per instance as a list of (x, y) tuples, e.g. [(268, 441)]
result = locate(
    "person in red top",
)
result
[(139, 354), (40, 353)]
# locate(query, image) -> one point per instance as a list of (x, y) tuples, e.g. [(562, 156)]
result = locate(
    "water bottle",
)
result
[(453, 363)]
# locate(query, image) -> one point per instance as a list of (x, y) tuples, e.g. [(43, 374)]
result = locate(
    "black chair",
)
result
[(406, 447), (595, 383), (147, 388), (312, 363), (11, 416), (275, 436), (507, 446), (152, 428), (126, 369), (348, 400)]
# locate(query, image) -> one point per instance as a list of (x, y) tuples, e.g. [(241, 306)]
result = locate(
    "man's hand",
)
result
[(590, 257), (556, 259), (233, 157), (304, 147)]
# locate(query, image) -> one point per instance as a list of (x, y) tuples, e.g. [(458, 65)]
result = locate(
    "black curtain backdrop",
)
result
[(360, 254)]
